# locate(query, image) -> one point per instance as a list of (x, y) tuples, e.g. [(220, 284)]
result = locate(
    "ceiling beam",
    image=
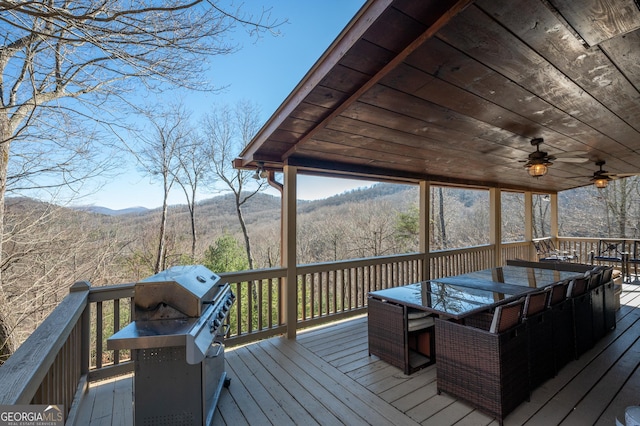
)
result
[(443, 20)]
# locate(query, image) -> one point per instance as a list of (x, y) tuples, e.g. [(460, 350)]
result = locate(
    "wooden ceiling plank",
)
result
[(367, 57), (426, 115), (590, 68), (482, 38), (455, 8), (599, 20), (624, 52), (323, 96), (441, 146), (447, 95), (431, 154), (443, 94), (309, 112), (321, 150), (332, 164), (452, 66), (365, 153), (416, 138), (437, 153), (344, 79)]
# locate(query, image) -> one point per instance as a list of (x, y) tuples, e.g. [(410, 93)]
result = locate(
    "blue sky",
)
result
[(264, 71)]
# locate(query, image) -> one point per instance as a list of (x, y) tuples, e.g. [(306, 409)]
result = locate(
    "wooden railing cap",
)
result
[(80, 286)]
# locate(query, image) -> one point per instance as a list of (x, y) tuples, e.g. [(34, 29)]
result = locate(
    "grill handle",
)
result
[(220, 348)]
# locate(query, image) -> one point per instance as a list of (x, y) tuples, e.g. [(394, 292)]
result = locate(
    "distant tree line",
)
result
[(48, 247)]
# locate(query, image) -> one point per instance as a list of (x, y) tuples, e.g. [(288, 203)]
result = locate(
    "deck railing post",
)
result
[(85, 327)]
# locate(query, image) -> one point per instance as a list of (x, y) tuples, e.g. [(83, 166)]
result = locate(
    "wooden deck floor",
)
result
[(327, 377)]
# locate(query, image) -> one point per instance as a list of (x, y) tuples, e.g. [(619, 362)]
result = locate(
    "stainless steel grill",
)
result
[(177, 341)]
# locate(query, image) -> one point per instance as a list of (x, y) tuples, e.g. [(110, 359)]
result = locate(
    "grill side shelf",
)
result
[(152, 334)]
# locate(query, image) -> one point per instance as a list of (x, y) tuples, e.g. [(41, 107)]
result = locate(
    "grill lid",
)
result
[(177, 291)]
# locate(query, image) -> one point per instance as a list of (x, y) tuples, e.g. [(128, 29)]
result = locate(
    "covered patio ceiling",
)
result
[(453, 91)]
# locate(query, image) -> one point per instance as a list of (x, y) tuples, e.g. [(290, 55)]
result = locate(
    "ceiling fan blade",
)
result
[(623, 175), (571, 154), (571, 159)]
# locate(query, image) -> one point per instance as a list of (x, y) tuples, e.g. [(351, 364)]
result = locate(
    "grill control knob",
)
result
[(216, 323)]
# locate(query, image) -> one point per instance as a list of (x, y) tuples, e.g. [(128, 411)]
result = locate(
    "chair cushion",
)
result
[(420, 323), (506, 316), (535, 302), (577, 287), (415, 314), (558, 293)]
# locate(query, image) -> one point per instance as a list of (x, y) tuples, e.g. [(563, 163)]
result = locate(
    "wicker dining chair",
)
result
[(486, 368), (596, 290), (609, 299), (538, 320), (562, 322), (582, 315)]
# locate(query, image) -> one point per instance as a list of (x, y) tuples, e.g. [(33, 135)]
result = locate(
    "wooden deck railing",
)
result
[(68, 350), (326, 292), (50, 365), (455, 262)]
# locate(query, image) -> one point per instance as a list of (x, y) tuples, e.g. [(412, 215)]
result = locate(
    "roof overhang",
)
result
[(453, 91)]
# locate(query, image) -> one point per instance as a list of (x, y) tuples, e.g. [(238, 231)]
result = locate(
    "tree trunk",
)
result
[(160, 263), (247, 245), (194, 235), (194, 238), (5, 342), (245, 233), (5, 337), (443, 228)]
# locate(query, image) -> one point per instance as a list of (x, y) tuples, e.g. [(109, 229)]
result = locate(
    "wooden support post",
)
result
[(528, 224), (289, 259), (553, 199), (425, 229), (495, 224)]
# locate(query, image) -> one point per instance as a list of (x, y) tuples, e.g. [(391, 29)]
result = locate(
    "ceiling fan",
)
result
[(538, 161), (601, 177)]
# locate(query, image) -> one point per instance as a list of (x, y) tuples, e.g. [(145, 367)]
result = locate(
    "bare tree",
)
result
[(159, 157), (194, 166), (620, 206), (541, 212), (228, 131), (46, 249), (71, 59), (373, 229)]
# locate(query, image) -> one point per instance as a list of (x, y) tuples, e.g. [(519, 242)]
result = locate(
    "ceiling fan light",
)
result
[(601, 183), (537, 170)]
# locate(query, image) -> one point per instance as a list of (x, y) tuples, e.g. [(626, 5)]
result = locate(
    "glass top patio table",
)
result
[(462, 295), (449, 300), (518, 275)]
